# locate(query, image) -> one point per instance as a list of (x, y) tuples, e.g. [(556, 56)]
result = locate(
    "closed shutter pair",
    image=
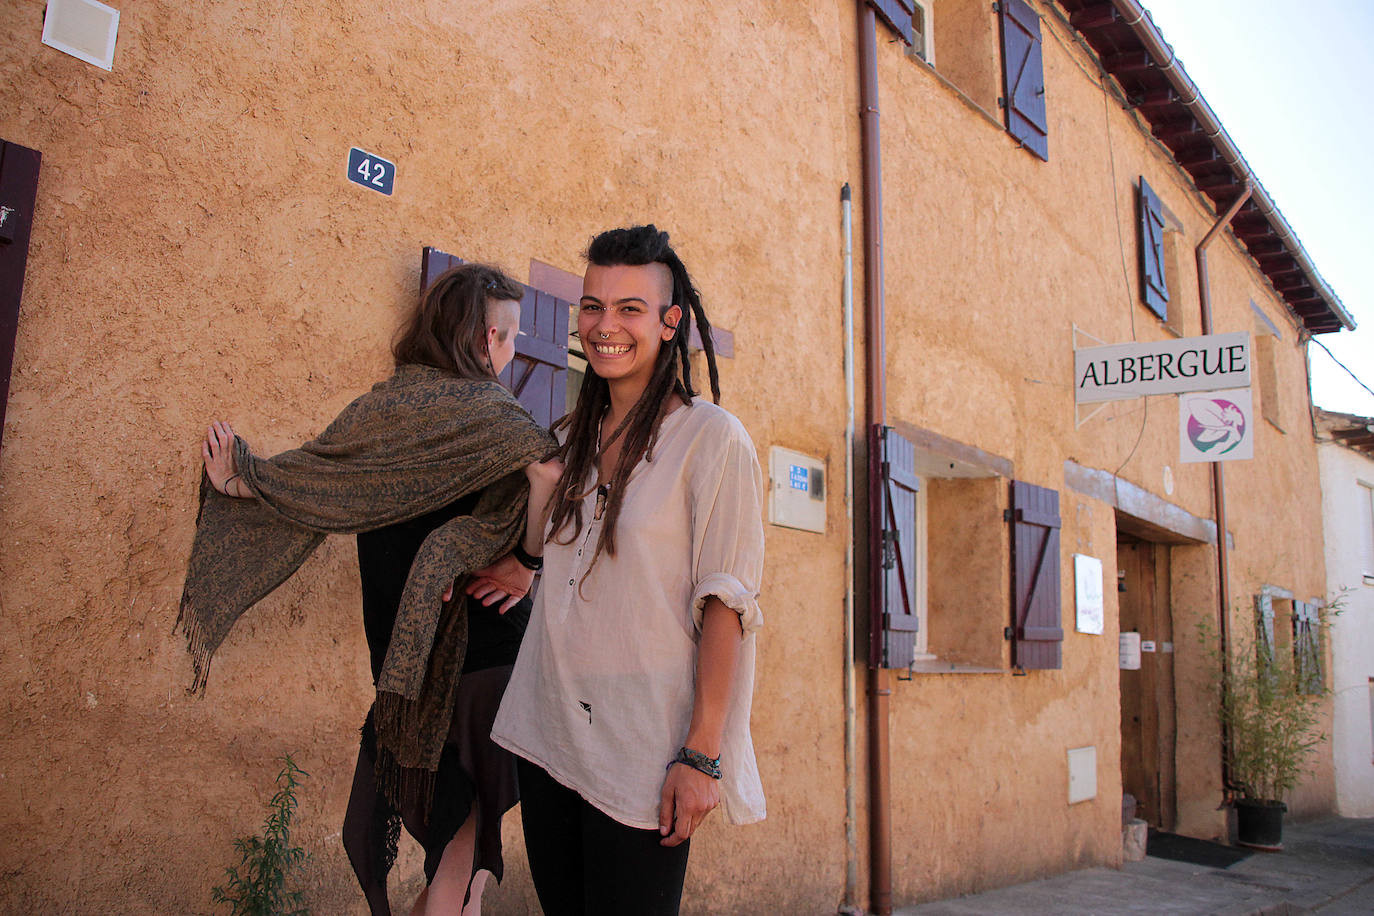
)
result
[(539, 372)]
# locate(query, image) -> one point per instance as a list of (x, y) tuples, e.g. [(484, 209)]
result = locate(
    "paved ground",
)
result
[(1327, 867)]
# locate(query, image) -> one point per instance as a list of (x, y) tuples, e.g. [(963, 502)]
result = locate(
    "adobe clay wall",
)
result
[(992, 257), (198, 253)]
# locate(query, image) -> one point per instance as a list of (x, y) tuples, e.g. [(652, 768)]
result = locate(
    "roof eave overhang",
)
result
[(1134, 52), (1348, 429)]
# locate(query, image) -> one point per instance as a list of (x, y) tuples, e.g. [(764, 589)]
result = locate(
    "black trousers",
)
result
[(584, 862)]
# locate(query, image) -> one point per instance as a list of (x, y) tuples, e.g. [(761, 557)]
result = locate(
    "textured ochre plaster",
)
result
[(197, 254)]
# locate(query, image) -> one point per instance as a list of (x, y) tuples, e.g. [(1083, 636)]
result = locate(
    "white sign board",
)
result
[(1161, 367), (1216, 426), (1129, 647), (1087, 579)]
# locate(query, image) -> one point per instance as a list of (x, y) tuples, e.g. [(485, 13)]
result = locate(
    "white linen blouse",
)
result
[(602, 692)]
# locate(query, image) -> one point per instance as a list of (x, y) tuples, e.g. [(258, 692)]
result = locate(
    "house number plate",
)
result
[(371, 171)]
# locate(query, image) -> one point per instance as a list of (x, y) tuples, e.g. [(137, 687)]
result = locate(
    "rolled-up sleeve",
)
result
[(727, 526)]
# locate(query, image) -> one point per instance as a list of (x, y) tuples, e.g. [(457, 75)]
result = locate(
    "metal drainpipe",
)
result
[(875, 403), (1218, 478), (851, 747)]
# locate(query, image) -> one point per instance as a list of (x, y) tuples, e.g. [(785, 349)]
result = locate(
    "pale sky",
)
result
[(1291, 83)]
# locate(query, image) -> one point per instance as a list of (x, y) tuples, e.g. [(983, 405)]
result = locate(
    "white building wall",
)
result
[(1348, 517)]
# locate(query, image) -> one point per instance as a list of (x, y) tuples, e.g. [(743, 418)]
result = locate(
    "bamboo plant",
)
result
[(1270, 711)]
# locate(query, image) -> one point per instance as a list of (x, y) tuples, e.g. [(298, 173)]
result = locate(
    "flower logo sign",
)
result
[(1216, 426), (1215, 423)]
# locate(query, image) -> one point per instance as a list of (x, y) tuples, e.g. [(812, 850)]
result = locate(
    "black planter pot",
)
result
[(1259, 824)]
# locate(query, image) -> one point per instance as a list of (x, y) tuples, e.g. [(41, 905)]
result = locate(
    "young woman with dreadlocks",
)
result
[(629, 703)]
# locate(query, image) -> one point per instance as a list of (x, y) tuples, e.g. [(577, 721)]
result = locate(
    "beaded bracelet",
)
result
[(698, 761)]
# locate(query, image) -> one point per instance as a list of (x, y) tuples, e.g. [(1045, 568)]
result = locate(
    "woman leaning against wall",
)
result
[(425, 470)]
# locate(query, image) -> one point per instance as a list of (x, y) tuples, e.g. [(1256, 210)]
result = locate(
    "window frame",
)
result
[(959, 643), (1367, 561), (922, 31), (1309, 670)]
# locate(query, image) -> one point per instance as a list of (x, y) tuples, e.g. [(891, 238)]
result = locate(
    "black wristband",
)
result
[(525, 559)]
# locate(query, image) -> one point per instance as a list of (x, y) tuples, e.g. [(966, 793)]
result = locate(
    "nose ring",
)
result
[(605, 336)]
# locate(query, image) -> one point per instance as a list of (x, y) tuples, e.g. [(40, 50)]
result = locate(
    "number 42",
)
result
[(365, 169)]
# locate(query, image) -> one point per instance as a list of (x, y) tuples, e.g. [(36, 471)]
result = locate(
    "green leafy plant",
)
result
[(257, 885), (1271, 711)]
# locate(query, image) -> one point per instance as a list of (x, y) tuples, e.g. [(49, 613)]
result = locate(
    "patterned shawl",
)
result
[(416, 442)]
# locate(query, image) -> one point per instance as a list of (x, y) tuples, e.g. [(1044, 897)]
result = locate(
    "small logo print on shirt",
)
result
[(587, 708)]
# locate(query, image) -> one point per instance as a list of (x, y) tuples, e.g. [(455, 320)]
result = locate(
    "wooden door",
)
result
[(1148, 730), (18, 192)]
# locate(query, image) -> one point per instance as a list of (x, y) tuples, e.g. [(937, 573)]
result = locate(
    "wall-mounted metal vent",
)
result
[(85, 29)]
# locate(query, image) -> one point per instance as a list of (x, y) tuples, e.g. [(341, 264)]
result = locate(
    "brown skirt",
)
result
[(475, 777)]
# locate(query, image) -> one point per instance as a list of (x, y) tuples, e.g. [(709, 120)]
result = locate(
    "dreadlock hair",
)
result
[(672, 377), (447, 330)]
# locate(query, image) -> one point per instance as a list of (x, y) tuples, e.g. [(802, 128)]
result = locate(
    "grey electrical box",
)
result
[(796, 490)]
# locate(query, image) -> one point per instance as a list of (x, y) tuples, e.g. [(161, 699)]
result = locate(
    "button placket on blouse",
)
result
[(598, 509), (579, 565)]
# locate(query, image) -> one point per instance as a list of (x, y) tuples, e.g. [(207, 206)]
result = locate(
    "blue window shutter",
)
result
[(1154, 286), (1023, 76), (896, 15), (895, 632), (1037, 630), (539, 372)]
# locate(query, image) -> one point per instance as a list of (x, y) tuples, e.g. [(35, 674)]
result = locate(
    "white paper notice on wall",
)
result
[(1087, 578), (1130, 651), (1216, 426)]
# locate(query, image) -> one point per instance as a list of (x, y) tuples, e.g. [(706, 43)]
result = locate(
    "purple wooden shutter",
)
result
[(896, 15), (1023, 76), (434, 262), (18, 192), (539, 372), (1037, 633), (894, 645), (1154, 287)]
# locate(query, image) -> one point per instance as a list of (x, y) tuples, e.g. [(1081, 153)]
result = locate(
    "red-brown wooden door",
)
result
[(1148, 730), (18, 193)]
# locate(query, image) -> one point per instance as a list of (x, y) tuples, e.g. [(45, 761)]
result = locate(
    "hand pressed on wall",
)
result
[(217, 451)]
